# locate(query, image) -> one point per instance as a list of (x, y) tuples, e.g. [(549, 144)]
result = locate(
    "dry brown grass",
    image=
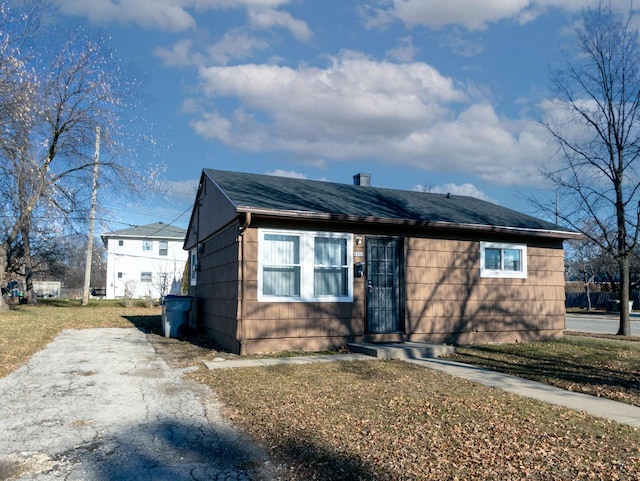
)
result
[(24, 330), (396, 421), (604, 366), (374, 420)]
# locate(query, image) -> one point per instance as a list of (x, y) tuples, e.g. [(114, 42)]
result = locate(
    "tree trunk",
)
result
[(3, 269), (625, 322), (28, 269), (587, 289)]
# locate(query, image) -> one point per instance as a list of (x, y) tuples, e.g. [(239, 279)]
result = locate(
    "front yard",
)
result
[(388, 420)]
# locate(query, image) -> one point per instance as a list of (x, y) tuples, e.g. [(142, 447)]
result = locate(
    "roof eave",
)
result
[(294, 214)]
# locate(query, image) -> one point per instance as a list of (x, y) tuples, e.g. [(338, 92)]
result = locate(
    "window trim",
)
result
[(502, 273), (193, 267), (163, 248), (307, 266)]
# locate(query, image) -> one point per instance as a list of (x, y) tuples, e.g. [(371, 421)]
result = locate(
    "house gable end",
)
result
[(212, 210)]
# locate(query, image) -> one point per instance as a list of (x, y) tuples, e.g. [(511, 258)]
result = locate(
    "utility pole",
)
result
[(92, 219)]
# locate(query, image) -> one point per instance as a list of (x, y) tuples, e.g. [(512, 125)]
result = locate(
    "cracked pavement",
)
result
[(101, 405)]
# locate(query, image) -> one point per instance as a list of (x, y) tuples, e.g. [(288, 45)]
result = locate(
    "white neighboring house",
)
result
[(145, 262)]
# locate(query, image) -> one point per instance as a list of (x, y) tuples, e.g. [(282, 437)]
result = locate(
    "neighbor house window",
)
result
[(163, 247), (120, 243), (119, 275), (146, 276), (297, 266), (147, 245), (503, 260)]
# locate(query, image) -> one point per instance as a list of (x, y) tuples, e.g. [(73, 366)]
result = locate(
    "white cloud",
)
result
[(474, 14), (175, 16), (179, 55), (235, 45), (466, 189), (360, 109), (287, 173), (183, 189), (164, 14), (406, 51), (266, 18)]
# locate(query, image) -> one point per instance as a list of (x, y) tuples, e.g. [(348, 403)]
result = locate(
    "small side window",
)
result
[(503, 260), (193, 267)]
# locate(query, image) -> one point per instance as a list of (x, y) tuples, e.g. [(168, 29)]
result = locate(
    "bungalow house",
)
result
[(289, 264), (144, 261)]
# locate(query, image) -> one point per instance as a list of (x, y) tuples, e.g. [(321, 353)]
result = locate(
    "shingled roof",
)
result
[(283, 196), (157, 230)]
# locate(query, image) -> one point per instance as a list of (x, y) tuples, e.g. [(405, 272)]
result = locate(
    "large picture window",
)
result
[(503, 260), (297, 266)]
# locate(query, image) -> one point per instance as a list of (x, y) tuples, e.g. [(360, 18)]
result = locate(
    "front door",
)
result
[(383, 285)]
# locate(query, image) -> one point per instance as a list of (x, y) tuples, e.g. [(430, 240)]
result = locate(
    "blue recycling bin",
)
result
[(175, 314)]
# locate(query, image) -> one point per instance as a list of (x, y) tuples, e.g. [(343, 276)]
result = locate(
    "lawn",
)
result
[(24, 330), (600, 366), (389, 420)]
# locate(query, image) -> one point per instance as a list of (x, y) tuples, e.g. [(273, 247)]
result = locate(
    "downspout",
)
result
[(247, 223)]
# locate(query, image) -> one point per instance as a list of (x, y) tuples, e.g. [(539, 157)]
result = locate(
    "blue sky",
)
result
[(419, 93)]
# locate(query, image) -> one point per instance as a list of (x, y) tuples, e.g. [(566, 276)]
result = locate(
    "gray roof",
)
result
[(157, 230), (309, 198)]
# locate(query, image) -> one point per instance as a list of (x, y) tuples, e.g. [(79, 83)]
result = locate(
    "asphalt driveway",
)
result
[(100, 405)]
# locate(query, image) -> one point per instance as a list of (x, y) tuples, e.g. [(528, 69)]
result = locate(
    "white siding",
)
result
[(126, 264)]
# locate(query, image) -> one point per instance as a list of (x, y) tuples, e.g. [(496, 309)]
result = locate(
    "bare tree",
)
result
[(595, 122), (47, 145)]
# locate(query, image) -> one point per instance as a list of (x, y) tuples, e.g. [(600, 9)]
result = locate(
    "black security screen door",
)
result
[(383, 285)]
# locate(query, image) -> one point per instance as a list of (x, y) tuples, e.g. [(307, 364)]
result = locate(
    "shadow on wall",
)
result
[(453, 304)]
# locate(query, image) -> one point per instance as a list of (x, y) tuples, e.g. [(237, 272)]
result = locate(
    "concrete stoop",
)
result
[(401, 350)]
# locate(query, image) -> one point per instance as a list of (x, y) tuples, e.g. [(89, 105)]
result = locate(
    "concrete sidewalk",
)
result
[(596, 406), (600, 407)]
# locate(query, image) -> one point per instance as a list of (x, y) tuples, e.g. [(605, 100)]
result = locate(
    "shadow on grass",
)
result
[(153, 325), (546, 369), (309, 460), (147, 324)]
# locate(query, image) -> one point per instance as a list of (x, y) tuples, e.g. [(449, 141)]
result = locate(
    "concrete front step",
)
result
[(401, 350)]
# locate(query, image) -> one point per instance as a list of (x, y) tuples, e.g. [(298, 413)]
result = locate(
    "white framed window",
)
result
[(193, 267), (305, 266), (146, 277), (503, 260), (147, 245), (163, 248)]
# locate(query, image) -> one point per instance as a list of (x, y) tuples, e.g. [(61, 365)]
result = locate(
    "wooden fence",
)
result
[(599, 300)]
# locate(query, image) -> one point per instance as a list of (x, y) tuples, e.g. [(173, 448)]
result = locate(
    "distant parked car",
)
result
[(98, 291)]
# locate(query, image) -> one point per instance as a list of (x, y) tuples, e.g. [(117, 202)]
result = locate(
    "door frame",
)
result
[(399, 283)]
